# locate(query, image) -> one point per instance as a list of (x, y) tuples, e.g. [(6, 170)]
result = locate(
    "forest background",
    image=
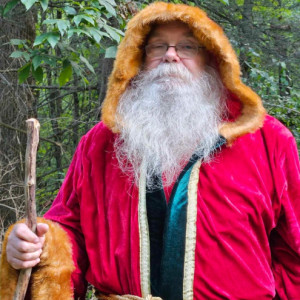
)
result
[(55, 58)]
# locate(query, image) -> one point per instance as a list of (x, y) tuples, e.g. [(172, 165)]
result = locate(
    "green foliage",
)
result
[(68, 62), (18, 54), (225, 2), (24, 72), (60, 29), (265, 35), (38, 73), (66, 73), (111, 52), (4, 10), (67, 65), (28, 3)]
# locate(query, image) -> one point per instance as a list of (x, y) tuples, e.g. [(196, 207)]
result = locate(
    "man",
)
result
[(186, 190)]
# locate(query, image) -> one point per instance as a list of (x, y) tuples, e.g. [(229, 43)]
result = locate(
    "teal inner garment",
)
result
[(167, 230)]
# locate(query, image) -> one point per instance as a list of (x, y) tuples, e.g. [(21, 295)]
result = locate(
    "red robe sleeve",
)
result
[(66, 211), (285, 238)]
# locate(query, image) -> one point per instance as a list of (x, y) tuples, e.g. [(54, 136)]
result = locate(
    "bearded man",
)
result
[(185, 190)]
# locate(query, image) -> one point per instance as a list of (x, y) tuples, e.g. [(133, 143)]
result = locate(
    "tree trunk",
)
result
[(17, 104)]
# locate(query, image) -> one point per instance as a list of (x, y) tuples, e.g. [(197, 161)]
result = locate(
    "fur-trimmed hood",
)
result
[(130, 58)]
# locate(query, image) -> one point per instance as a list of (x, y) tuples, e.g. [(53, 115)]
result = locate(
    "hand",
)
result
[(23, 247)]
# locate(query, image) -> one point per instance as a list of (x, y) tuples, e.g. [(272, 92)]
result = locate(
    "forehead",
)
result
[(171, 29)]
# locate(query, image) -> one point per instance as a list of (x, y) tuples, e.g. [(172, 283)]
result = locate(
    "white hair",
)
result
[(165, 116)]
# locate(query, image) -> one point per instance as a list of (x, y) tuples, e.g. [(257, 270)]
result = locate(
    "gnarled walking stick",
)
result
[(33, 127)]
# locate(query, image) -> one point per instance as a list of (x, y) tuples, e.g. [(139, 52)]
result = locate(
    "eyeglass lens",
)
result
[(183, 50)]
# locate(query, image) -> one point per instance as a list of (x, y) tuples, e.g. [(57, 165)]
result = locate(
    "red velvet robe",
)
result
[(248, 218)]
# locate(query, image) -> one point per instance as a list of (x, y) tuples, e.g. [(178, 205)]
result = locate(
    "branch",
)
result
[(8, 207), (283, 107), (9, 70), (25, 132), (54, 87), (49, 87), (33, 127)]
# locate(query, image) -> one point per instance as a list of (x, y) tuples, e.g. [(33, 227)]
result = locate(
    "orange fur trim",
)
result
[(51, 278), (130, 55)]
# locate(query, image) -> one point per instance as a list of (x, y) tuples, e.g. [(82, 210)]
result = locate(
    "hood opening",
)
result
[(129, 61)]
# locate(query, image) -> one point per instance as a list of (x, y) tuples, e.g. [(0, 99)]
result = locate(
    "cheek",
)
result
[(194, 65), (151, 63)]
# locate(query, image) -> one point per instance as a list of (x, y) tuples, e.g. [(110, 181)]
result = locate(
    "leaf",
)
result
[(76, 68), (9, 6), (225, 2), (51, 21), (28, 3), (92, 11), (40, 39), (70, 10), (49, 60), (66, 73), (96, 34), (38, 74), (44, 4), (111, 2), (26, 56), (24, 72), (119, 31), (17, 54), (109, 8), (53, 38), (90, 67), (17, 42), (111, 52), (36, 61), (78, 31), (283, 65), (77, 19), (89, 19), (63, 25), (112, 33), (85, 80)]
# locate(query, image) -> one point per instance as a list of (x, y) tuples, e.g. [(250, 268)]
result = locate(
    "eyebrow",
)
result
[(189, 34), (157, 34)]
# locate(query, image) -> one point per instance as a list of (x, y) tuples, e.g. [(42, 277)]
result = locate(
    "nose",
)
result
[(171, 55)]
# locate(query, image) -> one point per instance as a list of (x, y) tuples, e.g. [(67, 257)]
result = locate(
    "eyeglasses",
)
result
[(183, 50)]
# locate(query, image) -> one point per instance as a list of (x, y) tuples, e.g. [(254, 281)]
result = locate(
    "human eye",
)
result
[(187, 47), (156, 49), (157, 46)]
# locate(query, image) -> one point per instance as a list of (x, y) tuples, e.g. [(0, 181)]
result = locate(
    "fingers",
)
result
[(22, 231), (19, 264), (41, 229), (26, 256), (16, 244), (23, 247)]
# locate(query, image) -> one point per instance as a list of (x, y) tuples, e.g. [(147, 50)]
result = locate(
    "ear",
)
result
[(210, 59)]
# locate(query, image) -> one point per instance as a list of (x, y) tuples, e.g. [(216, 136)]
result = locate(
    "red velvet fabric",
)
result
[(249, 199), (248, 218)]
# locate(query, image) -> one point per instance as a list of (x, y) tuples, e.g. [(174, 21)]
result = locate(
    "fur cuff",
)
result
[(51, 278)]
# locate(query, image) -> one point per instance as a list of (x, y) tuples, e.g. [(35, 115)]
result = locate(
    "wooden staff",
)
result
[(33, 127)]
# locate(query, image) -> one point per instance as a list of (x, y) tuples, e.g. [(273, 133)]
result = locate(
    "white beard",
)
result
[(165, 116)]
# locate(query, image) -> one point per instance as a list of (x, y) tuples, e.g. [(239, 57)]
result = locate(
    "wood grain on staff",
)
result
[(33, 127)]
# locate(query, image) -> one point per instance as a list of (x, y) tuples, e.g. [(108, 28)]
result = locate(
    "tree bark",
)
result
[(17, 104)]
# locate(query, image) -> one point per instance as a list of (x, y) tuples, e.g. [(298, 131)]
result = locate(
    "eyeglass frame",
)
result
[(174, 46)]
